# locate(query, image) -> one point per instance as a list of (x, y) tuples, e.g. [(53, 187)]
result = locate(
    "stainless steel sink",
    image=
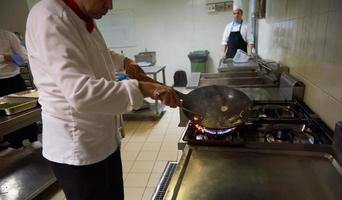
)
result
[(257, 81), (241, 74)]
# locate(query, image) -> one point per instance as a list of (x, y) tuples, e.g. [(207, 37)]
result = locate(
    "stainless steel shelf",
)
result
[(24, 175)]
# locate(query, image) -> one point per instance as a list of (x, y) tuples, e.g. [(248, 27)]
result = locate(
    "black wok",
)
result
[(215, 106)]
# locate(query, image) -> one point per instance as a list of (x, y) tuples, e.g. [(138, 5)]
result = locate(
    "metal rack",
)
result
[(25, 73)]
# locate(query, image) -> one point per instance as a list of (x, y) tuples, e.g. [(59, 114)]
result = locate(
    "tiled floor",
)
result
[(146, 148)]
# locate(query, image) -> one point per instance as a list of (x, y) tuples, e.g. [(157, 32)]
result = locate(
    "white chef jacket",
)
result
[(245, 31), (73, 71), (9, 43)]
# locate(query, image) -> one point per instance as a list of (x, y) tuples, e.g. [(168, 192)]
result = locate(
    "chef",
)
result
[(237, 35), (11, 82), (81, 102)]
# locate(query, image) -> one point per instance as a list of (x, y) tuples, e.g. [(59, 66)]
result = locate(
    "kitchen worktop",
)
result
[(25, 167), (218, 173)]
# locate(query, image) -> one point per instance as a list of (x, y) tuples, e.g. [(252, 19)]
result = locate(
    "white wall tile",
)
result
[(309, 42)]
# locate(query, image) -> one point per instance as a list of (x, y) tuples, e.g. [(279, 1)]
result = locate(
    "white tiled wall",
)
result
[(306, 36)]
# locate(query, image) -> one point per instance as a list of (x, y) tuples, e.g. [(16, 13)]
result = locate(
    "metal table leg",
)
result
[(156, 101)]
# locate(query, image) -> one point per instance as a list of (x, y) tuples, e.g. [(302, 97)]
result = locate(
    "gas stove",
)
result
[(273, 124)]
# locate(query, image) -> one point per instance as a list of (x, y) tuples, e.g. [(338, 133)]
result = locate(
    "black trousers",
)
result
[(102, 180), (9, 86)]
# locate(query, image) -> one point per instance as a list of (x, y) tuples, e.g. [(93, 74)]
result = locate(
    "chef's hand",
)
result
[(8, 58), (160, 92)]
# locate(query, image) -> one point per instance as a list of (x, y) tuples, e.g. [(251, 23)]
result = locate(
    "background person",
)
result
[(237, 35), (11, 82)]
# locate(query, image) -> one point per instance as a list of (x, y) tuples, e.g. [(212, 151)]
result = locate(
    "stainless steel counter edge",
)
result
[(181, 143), (14, 122), (176, 180)]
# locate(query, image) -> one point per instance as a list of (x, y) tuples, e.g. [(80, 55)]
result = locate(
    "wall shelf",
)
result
[(219, 6)]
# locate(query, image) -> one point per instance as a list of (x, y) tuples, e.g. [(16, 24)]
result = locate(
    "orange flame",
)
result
[(200, 128)]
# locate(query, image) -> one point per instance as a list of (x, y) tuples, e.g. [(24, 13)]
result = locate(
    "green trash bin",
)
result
[(198, 60)]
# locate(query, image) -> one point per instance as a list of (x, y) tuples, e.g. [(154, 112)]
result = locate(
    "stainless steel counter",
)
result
[(267, 94), (231, 173), (250, 65), (24, 173), (11, 123)]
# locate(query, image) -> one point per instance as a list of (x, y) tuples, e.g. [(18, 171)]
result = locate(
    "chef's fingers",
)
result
[(8, 58), (160, 92), (167, 96)]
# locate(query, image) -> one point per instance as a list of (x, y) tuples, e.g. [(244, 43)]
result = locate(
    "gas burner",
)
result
[(304, 138), (218, 131), (276, 112), (279, 136), (283, 124), (211, 131), (200, 133), (288, 133)]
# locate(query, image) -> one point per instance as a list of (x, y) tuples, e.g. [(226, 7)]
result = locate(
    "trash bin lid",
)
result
[(200, 53)]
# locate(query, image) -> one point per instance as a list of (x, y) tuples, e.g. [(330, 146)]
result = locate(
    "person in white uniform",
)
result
[(9, 70), (237, 35), (81, 101), (12, 82)]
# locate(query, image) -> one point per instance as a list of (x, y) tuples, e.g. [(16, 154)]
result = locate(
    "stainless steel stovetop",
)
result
[(271, 124)]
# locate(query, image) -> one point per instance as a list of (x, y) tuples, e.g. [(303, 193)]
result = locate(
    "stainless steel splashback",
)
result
[(337, 145), (291, 87)]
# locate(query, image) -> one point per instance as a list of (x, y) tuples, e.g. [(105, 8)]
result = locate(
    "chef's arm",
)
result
[(132, 68), (160, 92), (224, 50), (249, 49), (250, 41), (134, 71), (150, 87), (17, 47)]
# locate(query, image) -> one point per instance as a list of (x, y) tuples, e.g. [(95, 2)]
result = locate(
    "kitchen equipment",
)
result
[(236, 173), (195, 114), (269, 124), (26, 93), (147, 58), (13, 105), (337, 145), (283, 150), (215, 106)]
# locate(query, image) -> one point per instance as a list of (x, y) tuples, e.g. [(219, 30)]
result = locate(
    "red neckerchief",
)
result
[(90, 24)]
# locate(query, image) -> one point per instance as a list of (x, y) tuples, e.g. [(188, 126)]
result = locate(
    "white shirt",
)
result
[(9, 43), (246, 32), (73, 71)]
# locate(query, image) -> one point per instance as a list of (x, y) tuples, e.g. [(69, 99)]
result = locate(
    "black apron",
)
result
[(235, 42)]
